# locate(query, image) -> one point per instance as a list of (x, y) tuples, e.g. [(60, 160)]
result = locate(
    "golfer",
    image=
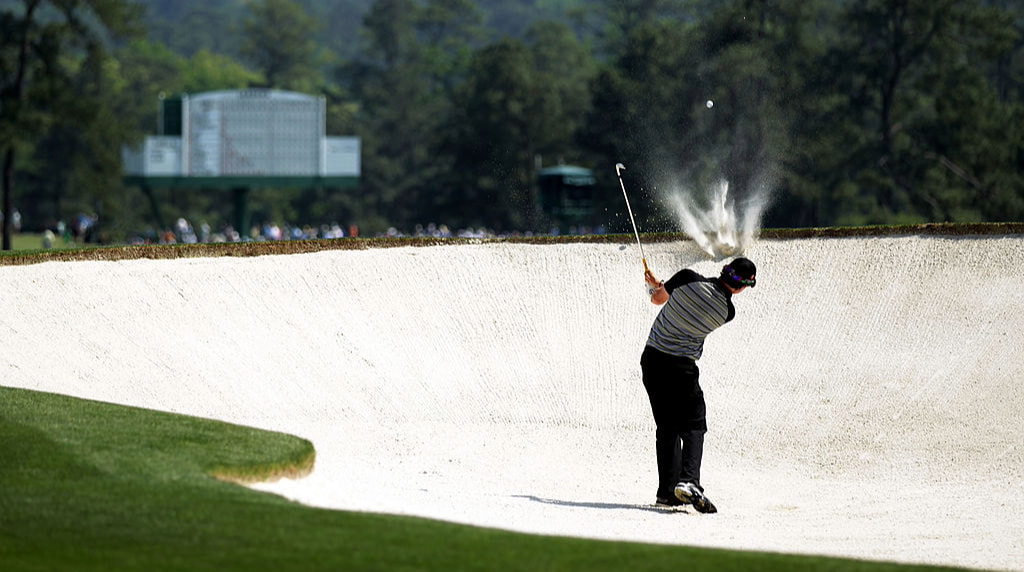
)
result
[(693, 307)]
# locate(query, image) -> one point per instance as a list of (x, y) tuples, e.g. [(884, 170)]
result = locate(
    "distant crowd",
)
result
[(184, 233), (82, 230)]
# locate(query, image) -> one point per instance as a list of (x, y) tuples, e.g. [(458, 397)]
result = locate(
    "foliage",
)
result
[(843, 111), (515, 94), (276, 40), (911, 137), (210, 71), (55, 102)]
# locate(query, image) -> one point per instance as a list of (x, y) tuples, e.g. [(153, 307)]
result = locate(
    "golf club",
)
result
[(619, 167)]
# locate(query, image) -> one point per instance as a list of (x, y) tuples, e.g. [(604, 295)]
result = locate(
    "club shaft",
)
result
[(629, 209)]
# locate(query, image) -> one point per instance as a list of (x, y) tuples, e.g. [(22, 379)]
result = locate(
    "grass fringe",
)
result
[(301, 466), (268, 248)]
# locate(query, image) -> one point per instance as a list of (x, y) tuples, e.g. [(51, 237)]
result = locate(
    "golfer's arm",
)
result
[(660, 295)]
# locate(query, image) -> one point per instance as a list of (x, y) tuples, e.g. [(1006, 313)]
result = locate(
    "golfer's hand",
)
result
[(649, 277), (656, 289)]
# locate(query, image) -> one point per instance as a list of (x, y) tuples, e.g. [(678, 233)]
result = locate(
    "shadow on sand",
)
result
[(605, 505)]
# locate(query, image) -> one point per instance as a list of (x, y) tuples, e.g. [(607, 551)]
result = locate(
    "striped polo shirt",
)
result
[(696, 306)]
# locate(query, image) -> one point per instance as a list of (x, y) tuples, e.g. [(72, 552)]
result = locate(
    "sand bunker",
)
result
[(866, 402)]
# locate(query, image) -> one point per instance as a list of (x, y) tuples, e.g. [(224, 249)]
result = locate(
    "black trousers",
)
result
[(677, 403)]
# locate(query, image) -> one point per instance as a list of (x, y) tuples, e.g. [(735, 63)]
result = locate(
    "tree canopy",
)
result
[(844, 112)]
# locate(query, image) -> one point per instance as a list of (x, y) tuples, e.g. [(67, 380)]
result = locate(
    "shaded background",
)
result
[(843, 112)]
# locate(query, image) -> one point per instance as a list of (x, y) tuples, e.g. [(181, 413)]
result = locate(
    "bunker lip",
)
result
[(865, 407), (248, 249)]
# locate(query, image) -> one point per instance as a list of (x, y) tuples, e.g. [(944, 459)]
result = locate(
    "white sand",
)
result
[(867, 401)]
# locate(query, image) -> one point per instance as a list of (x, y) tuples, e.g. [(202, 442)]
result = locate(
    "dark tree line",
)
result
[(845, 111)]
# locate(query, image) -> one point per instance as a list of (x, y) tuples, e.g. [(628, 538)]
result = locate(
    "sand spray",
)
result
[(719, 223)]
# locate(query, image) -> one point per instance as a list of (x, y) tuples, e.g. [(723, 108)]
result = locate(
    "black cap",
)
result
[(739, 273)]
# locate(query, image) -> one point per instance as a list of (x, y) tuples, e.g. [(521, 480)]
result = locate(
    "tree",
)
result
[(562, 70), (211, 26), (521, 104), (147, 70), (612, 23), (344, 20), (403, 78), (493, 138), (44, 55), (913, 75), (642, 115), (208, 71), (758, 63), (278, 41), (968, 149)]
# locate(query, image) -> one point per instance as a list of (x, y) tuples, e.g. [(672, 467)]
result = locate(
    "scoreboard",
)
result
[(248, 133)]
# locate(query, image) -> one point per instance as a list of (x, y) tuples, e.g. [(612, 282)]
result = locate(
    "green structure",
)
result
[(567, 195), (237, 141)]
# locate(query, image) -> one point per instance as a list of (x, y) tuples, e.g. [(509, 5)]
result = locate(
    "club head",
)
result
[(619, 167)]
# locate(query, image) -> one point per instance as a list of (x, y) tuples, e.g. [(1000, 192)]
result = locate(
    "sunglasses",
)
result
[(731, 273)]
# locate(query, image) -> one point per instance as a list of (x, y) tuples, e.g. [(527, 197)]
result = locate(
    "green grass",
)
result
[(34, 241), (86, 485)]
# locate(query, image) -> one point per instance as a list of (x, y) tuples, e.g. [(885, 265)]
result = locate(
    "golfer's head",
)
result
[(739, 273)]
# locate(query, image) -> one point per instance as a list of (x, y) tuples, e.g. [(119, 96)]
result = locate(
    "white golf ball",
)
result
[(710, 104)]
